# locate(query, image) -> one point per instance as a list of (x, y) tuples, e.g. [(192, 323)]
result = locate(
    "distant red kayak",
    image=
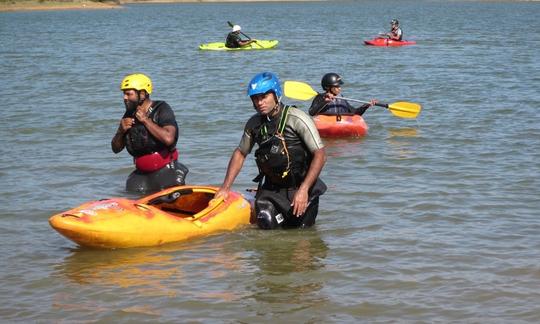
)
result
[(388, 42)]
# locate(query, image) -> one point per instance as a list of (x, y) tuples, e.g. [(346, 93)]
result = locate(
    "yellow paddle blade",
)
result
[(298, 90), (405, 109)]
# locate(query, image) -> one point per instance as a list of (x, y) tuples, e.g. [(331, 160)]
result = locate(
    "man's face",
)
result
[(131, 99), (264, 102), (131, 95), (335, 90)]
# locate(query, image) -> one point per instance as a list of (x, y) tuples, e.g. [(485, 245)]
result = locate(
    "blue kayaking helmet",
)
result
[(263, 83)]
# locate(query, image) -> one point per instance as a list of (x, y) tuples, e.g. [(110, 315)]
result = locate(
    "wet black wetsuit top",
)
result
[(233, 40)]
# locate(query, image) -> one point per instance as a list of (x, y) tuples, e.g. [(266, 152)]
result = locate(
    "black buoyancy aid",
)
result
[(282, 164), (139, 141), (336, 107)]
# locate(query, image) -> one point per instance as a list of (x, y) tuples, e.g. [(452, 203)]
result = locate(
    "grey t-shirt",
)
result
[(298, 128)]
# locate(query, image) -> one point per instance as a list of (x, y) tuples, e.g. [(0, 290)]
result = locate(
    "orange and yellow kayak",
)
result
[(341, 125), (172, 215)]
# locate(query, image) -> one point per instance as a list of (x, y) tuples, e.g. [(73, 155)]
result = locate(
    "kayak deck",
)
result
[(257, 45)]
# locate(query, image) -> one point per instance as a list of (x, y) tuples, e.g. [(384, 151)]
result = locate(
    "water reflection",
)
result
[(289, 264), (143, 269), (401, 140), (402, 132), (166, 271), (134, 276), (345, 147)]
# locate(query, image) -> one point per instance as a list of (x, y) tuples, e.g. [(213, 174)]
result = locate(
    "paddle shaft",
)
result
[(365, 102), (249, 38)]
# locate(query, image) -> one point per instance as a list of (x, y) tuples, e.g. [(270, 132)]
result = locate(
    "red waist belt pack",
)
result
[(155, 161)]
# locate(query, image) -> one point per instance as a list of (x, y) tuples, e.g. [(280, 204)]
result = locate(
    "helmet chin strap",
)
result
[(139, 101), (273, 109)]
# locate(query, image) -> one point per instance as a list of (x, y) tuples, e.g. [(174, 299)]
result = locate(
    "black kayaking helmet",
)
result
[(394, 22), (331, 80)]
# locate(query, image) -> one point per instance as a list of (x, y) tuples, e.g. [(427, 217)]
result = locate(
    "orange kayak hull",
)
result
[(341, 126), (171, 215)]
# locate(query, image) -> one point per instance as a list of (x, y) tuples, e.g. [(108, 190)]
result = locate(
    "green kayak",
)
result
[(257, 45)]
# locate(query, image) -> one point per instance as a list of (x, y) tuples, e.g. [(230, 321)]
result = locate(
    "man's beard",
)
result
[(131, 107)]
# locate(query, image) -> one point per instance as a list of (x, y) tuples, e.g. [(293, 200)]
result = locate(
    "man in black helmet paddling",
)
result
[(330, 102)]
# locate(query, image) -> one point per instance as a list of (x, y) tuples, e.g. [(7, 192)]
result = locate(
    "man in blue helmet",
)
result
[(290, 157)]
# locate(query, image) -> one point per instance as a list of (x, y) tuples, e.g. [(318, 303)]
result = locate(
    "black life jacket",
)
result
[(282, 164), (139, 141), (232, 41)]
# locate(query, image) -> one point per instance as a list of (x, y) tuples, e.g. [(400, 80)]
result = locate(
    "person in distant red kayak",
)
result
[(329, 102), (395, 33), (149, 131)]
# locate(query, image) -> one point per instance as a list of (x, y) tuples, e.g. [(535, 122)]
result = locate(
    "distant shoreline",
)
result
[(32, 5)]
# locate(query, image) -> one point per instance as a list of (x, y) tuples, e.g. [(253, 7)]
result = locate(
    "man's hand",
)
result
[(329, 97), (126, 124), (141, 115), (300, 202), (222, 193)]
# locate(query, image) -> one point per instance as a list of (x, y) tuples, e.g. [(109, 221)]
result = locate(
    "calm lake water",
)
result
[(428, 220)]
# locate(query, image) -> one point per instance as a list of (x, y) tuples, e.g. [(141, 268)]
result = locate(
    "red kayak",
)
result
[(388, 42), (341, 126)]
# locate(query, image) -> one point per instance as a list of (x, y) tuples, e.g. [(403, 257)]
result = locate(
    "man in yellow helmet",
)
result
[(149, 131)]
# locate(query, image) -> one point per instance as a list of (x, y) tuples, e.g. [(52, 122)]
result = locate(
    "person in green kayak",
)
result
[(395, 33), (290, 157), (149, 131), (234, 40), (330, 103)]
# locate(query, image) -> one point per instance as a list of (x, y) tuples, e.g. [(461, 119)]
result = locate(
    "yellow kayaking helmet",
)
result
[(137, 81)]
